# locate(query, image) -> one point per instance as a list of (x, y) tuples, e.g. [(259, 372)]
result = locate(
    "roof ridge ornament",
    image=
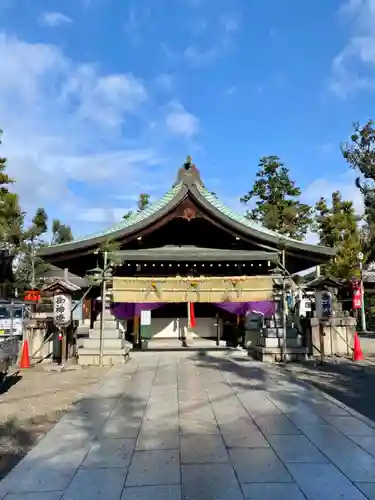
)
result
[(188, 174)]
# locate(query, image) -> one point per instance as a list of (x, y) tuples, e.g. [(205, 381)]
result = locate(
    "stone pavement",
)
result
[(200, 426)]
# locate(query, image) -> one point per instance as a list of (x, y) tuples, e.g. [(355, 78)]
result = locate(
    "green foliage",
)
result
[(277, 204), (359, 153), (337, 227), (5, 180), (109, 245), (142, 203), (23, 242), (61, 233)]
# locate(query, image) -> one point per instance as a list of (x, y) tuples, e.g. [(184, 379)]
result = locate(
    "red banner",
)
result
[(357, 298)]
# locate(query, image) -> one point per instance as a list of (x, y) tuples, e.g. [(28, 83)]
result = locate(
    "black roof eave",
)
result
[(169, 253)]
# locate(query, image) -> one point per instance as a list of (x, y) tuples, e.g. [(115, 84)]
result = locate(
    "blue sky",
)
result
[(101, 100)]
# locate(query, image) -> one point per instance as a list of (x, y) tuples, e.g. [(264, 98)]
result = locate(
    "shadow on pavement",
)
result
[(133, 429)]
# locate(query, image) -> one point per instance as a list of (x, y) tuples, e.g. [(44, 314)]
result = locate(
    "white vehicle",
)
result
[(11, 325)]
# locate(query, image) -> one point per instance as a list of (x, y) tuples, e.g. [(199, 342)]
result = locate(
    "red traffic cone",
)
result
[(25, 358), (357, 350)]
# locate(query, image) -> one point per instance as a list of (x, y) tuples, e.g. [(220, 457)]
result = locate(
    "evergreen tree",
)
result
[(61, 233), (277, 200), (359, 152), (337, 227), (30, 264)]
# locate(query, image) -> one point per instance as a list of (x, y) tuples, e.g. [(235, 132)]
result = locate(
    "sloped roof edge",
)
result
[(188, 181)]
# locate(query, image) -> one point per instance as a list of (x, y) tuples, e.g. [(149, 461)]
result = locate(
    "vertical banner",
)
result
[(191, 315), (357, 299)]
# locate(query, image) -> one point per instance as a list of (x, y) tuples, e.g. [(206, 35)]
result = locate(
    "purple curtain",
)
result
[(126, 310)]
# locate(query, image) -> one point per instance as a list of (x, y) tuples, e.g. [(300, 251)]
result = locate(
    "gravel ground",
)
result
[(32, 402)]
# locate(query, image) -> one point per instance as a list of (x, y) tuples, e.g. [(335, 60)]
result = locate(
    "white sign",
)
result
[(62, 309), (145, 318), (360, 256)]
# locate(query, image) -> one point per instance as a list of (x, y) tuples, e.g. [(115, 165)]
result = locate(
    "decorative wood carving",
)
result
[(189, 214)]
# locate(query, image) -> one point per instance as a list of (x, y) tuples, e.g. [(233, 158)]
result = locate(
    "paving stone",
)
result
[(258, 464), (210, 482), (122, 427), (110, 453), (365, 442), (295, 448), (154, 467), (243, 433), (350, 426), (276, 424), (47, 495), (367, 489), (198, 426), (155, 439), (203, 449), (152, 493), (318, 481), (230, 421), (96, 484), (272, 491)]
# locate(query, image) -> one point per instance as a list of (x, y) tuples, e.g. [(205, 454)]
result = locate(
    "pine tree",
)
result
[(337, 227), (61, 233), (359, 153), (277, 200)]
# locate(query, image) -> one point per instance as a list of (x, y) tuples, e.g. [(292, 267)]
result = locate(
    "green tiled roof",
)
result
[(237, 216), (134, 219)]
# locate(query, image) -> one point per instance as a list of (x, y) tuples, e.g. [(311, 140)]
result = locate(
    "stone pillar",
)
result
[(338, 336)]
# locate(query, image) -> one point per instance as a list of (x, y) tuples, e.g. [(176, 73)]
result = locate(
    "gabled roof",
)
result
[(188, 184)]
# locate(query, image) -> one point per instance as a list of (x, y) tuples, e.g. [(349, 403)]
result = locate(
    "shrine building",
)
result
[(190, 261)]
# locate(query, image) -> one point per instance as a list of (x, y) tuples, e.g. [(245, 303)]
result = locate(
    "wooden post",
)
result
[(321, 339), (136, 331), (64, 332), (217, 330)]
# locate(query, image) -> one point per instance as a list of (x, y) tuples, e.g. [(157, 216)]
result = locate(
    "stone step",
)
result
[(277, 342), (109, 334), (92, 358), (94, 343)]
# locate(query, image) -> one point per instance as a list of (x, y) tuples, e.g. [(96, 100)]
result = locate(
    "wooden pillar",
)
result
[(137, 336)]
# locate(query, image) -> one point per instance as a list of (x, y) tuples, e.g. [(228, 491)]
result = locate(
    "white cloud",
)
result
[(181, 122), (105, 100), (54, 19), (58, 118), (325, 187), (354, 67)]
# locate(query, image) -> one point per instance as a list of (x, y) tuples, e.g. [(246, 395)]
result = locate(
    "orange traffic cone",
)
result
[(25, 358), (357, 350)]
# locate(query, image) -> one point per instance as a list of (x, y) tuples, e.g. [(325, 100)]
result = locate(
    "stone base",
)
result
[(109, 359), (277, 354)]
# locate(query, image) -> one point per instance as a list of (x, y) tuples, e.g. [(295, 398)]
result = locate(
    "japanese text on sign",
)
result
[(62, 308)]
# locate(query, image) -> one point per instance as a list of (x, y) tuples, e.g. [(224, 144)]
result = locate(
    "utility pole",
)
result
[(104, 293)]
